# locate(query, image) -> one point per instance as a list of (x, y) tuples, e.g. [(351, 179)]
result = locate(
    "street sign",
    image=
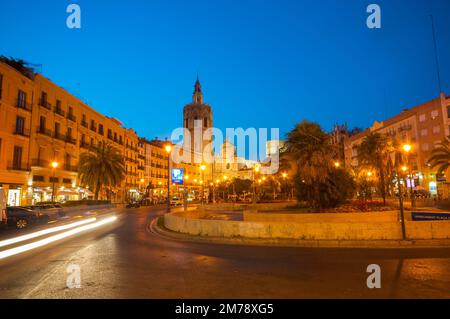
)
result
[(427, 216), (177, 176)]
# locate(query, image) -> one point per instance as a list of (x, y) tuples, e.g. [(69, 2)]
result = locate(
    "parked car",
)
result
[(133, 205), (21, 217), (175, 201), (48, 211)]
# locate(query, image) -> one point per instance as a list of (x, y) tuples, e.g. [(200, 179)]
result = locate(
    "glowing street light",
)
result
[(337, 164), (54, 165), (404, 168), (369, 173), (203, 168), (407, 148), (168, 149)]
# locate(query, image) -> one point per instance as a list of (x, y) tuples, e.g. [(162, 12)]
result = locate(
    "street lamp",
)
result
[(337, 164), (168, 149), (255, 170), (54, 166), (202, 168), (407, 148)]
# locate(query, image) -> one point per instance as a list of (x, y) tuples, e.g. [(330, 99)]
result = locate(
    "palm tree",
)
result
[(374, 152), (312, 152), (102, 166), (440, 156)]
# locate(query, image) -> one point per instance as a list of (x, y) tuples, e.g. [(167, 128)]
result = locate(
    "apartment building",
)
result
[(157, 170), (40, 124), (423, 126)]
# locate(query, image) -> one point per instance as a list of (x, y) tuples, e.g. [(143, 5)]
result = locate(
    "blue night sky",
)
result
[(261, 63)]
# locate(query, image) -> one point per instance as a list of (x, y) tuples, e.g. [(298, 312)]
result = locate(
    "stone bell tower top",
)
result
[(197, 110), (197, 98)]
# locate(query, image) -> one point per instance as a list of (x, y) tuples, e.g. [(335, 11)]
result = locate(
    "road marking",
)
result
[(51, 239), (15, 240)]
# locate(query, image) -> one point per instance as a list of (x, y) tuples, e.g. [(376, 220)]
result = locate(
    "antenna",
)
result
[(436, 54)]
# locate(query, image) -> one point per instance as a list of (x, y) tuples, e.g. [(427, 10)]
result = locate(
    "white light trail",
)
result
[(51, 239), (18, 239)]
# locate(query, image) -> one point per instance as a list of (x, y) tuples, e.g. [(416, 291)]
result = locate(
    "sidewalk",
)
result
[(156, 227)]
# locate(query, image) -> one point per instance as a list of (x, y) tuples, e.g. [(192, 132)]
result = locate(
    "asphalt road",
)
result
[(124, 260)]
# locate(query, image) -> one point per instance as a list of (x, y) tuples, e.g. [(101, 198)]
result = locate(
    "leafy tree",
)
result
[(242, 185), (101, 166)]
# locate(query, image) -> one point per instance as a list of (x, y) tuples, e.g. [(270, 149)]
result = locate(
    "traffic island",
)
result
[(352, 230)]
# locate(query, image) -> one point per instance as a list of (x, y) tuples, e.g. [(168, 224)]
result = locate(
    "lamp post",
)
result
[(168, 150), (54, 166), (202, 168), (255, 170), (407, 148), (400, 199)]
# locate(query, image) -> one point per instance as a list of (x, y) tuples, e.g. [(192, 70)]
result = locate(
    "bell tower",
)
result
[(197, 118)]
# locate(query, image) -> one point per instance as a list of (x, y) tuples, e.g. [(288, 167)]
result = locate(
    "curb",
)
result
[(163, 232)]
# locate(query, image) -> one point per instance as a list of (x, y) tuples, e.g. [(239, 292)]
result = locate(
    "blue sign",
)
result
[(423, 216), (177, 176)]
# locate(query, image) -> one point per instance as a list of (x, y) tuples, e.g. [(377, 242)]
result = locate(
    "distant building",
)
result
[(422, 126)]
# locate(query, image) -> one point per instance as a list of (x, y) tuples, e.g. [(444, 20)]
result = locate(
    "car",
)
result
[(133, 205), (175, 201), (47, 212), (21, 217)]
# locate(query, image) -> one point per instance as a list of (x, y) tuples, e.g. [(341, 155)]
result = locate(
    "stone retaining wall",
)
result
[(190, 223)]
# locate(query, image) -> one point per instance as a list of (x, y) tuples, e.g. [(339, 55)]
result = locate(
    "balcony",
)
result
[(141, 156), (85, 145), (21, 104), (71, 117), (404, 128), (59, 111), (45, 104), (22, 132), (44, 131), (141, 168), (40, 163), (70, 168), (71, 140), (59, 136), (17, 166)]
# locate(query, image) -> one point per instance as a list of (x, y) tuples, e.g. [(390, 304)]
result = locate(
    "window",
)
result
[(57, 129), (43, 98), (100, 129), (38, 178), (69, 132), (115, 136), (186, 122), (17, 157), (205, 122), (67, 160), (436, 129), (425, 147), (448, 111), (434, 114), (20, 125), (1, 85), (109, 133), (83, 138), (42, 124), (422, 118), (21, 98), (58, 104), (67, 181), (424, 132)]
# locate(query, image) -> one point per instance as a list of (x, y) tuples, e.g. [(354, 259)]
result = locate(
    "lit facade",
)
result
[(424, 127), (42, 123)]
